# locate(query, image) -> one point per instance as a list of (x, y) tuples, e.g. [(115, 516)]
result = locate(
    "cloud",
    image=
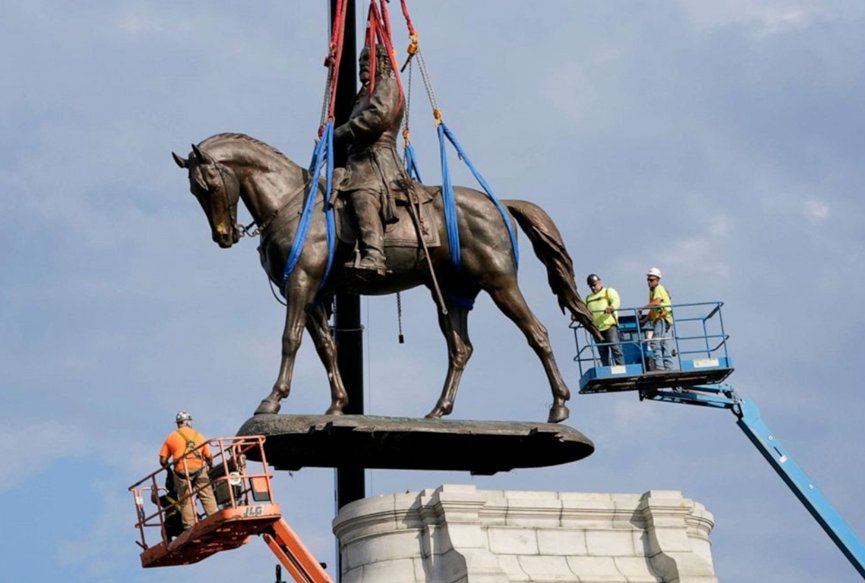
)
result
[(138, 23), (699, 252), (816, 211), (571, 91), (46, 441), (98, 552), (762, 19), (146, 20)]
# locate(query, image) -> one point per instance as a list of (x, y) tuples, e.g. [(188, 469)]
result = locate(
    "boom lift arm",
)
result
[(293, 554), (748, 419)]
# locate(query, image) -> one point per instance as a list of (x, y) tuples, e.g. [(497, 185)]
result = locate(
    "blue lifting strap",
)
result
[(412, 169), (411, 163), (450, 202), (328, 205), (323, 151), (450, 206)]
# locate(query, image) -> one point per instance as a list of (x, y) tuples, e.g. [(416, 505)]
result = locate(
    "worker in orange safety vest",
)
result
[(191, 459)]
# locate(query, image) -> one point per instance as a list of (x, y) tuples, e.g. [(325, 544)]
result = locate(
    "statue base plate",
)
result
[(364, 441)]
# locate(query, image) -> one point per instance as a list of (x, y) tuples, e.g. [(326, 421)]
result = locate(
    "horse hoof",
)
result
[(267, 407), (440, 410), (558, 413), (337, 406)]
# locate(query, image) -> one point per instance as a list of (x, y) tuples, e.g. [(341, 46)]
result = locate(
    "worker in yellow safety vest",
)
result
[(604, 302), (660, 316)]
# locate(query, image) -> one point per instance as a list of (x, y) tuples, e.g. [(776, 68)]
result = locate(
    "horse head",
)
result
[(217, 190)]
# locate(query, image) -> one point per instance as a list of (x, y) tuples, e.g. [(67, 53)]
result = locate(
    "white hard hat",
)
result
[(655, 272), (183, 416)]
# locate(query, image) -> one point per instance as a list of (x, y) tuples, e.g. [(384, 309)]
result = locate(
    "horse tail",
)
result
[(550, 249)]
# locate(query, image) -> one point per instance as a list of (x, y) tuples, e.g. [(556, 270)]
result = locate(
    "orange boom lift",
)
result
[(246, 508)]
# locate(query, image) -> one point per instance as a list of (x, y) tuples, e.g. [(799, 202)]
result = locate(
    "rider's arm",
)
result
[(376, 118)]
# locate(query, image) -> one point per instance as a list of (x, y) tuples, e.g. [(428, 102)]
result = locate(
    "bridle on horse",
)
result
[(248, 230), (209, 190)]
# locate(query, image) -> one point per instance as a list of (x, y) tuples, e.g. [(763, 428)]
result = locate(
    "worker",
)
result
[(171, 510), (373, 165), (660, 316), (191, 457), (604, 303)]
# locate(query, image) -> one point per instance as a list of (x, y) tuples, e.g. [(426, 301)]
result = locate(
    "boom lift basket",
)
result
[(697, 337), (244, 499)]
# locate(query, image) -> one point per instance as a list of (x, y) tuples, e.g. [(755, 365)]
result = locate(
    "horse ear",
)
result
[(182, 162), (202, 155)]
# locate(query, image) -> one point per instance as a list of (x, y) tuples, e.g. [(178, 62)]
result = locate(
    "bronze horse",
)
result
[(226, 168)]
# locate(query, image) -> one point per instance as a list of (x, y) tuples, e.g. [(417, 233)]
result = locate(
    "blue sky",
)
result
[(720, 141)]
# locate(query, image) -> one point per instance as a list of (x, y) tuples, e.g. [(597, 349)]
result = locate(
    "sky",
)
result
[(719, 141)]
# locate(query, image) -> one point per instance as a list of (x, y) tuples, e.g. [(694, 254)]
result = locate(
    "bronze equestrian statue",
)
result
[(226, 168)]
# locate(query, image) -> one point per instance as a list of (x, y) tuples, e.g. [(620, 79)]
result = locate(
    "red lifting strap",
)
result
[(378, 32), (411, 31), (385, 18), (334, 58)]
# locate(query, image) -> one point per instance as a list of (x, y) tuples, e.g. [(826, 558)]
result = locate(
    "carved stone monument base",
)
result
[(459, 534)]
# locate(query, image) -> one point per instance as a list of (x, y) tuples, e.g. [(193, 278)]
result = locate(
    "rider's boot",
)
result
[(370, 237), (372, 259)]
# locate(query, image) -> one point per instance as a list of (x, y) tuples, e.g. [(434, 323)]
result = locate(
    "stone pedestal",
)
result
[(457, 534)]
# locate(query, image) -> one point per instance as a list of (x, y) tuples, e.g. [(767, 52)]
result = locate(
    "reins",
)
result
[(260, 229)]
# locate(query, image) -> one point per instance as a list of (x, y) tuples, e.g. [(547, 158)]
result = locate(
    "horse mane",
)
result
[(238, 137)]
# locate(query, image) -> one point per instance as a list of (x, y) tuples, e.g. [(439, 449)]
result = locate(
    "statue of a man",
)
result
[(374, 168)]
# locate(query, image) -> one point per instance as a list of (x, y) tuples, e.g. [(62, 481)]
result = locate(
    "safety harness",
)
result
[(191, 449)]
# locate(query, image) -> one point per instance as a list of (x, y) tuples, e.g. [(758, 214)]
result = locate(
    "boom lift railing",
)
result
[(698, 339), (246, 507), (232, 481), (698, 334)]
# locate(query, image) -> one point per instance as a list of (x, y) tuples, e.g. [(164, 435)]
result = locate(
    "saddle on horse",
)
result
[(411, 217)]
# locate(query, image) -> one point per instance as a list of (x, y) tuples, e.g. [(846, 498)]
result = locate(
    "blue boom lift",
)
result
[(703, 364)]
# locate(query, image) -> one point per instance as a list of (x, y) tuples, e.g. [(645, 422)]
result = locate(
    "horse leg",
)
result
[(316, 325), (295, 320), (454, 326), (510, 301)]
